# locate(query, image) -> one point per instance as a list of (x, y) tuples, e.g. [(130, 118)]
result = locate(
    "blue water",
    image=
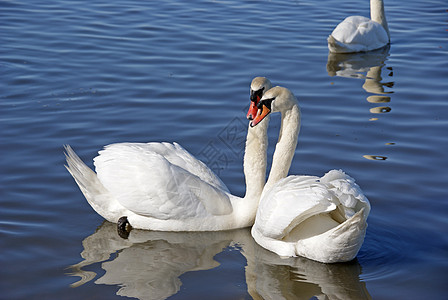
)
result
[(93, 73)]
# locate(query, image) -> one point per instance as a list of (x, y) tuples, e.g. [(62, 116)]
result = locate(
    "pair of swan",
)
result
[(360, 34), (160, 186)]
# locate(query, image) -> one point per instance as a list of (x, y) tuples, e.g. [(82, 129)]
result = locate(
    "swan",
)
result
[(161, 186), (320, 218), (359, 34)]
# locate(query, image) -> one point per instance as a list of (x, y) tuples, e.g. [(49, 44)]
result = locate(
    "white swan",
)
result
[(357, 34), (161, 186), (321, 218)]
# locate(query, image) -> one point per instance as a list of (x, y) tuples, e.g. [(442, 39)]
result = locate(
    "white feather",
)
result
[(314, 218), (161, 180), (360, 34)]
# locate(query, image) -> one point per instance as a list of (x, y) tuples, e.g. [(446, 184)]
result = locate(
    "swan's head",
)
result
[(258, 87), (276, 99)]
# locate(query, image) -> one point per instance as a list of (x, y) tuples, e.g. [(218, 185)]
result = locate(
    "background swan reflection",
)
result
[(370, 67), (149, 265)]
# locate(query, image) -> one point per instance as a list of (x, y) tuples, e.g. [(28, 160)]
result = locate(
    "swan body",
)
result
[(161, 186), (320, 218), (360, 34), (323, 219)]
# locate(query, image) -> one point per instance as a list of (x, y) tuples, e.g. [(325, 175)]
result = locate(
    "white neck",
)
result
[(286, 146), (377, 14), (255, 161)]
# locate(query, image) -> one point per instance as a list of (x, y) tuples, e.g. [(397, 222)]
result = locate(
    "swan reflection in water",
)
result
[(148, 265), (368, 66)]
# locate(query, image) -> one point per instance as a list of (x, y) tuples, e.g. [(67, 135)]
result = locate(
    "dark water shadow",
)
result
[(149, 265)]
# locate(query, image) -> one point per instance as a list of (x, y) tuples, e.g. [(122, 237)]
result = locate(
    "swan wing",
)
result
[(151, 180), (289, 202), (296, 198), (337, 244), (357, 33), (347, 194), (177, 155)]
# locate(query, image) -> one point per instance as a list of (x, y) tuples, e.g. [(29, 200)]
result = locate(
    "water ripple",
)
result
[(100, 72)]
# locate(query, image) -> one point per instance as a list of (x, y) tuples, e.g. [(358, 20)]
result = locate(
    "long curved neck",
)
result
[(286, 146), (255, 160), (377, 14)]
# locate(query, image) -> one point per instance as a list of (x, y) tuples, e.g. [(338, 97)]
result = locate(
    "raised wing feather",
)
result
[(291, 201), (177, 155), (346, 192), (161, 180), (296, 198)]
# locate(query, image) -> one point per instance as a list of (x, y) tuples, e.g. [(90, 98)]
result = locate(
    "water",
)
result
[(94, 73)]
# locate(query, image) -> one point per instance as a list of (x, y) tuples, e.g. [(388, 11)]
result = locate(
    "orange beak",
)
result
[(261, 114), (252, 110)]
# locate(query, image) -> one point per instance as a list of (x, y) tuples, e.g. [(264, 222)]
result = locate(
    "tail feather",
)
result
[(85, 178), (96, 194)]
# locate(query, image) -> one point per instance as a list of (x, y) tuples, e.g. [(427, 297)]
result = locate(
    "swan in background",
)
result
[(161, 186), (320, 218), (357, 33)]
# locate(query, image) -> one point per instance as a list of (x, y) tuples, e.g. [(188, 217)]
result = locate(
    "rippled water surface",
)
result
[(91, 73)]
